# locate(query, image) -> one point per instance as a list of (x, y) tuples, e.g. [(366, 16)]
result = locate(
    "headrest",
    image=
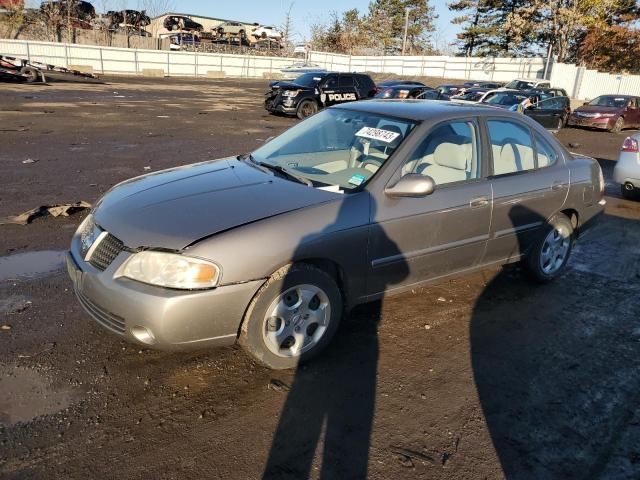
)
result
[(452, 155)]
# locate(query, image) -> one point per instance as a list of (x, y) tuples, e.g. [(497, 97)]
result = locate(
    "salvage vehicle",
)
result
[(608, 112), (627, 169), (313, 91), (449, 90), (551, 113), (266, 32), (231, 29), (392, 83), (527, 84), (271, 249), (180, 22), (404, 91), (471, 95)]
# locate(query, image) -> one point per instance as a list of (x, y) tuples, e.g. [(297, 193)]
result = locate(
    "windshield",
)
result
[(506, 98), (336, 147), (519, 85), (473, 96), (609, 101), (308, 79)]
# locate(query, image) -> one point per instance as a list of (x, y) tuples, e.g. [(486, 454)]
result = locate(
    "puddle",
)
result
[(26, 394), (31, 265)]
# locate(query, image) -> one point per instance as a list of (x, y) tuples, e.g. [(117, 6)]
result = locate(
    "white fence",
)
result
[(585, 84), (133, 61)]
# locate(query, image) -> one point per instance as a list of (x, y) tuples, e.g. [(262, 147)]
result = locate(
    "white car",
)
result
[(266, 32), (627, 169), (527, 84)]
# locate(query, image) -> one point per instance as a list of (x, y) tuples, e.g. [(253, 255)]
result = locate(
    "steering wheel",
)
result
[(374, 162)]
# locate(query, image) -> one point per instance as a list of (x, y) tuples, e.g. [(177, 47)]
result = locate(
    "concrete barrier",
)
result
[(215, 74), (153, 72)]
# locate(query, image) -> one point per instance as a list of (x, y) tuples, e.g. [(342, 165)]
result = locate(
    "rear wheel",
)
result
[(306, 109), (293, 316), (31, 74), (618, 126), (628, 191), (550, 253), (560, 123)]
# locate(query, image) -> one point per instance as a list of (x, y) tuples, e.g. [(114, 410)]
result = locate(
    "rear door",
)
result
[(530, 182), (340, 89)]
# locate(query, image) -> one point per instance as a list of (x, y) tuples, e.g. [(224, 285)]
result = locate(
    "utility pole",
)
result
[(406, 28)]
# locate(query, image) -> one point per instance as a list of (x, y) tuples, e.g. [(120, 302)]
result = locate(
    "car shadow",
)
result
[(557, 381), (327, 418)]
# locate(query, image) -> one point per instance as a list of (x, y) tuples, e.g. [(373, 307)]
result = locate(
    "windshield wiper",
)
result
[(278, 169)]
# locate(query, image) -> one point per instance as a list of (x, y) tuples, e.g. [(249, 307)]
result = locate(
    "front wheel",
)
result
[(293, 316), (306, 109), (618, 126), (550, 253), (30, 73), (627, 192)]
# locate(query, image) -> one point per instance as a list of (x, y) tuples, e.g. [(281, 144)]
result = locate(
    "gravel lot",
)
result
[(482, 377)]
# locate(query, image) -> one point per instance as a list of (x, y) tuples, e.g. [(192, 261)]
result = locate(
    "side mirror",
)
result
[(411, 185)]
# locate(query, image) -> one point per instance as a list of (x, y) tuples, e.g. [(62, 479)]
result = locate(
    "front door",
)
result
[(549, 113), (530, 183), (338, 89), (442, 233)]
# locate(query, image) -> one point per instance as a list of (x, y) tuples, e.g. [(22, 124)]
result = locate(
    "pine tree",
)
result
[(475, 28)]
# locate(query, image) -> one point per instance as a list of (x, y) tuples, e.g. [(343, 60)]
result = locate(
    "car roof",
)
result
[(418, 110)]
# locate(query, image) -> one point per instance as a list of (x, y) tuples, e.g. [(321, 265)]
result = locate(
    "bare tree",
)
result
[(155, 8), (287, 26), (12, 20)]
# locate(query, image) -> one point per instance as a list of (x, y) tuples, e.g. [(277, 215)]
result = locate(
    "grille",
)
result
[(103, 317), (106, 252)]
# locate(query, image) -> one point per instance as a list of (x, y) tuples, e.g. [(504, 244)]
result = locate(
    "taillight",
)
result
[(630, 145)]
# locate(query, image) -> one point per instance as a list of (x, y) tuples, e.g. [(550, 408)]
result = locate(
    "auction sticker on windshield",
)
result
[(386, 136)]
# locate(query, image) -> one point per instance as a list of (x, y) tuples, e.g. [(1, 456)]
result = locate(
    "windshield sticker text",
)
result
[(386, 136)]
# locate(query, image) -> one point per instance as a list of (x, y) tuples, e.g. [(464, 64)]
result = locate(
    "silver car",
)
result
[(627, 169), (357, 202)]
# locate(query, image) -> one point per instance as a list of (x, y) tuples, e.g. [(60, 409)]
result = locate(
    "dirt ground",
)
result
[(482, 377)]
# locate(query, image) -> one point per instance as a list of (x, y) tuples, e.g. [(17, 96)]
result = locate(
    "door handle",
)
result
[(557, 186), (478, 202)]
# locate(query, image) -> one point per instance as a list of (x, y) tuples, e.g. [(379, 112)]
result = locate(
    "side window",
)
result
[(346, 81), (546, 154), (448, 154), (511, 146), (331, 82)]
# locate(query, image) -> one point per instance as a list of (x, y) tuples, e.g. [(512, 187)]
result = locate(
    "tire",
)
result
[(618, 126), (627, 194), (300, 293), (306, 108), (551, 251), (560, 123), (32, 74)]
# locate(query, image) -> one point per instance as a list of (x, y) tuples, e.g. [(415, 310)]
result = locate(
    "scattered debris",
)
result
[(407, 454), (575, 145), (163, 116), (14, 304), (60, 209), (278, 386), (442, 299), (5, 327), (427, 327), (29, 160), (147, 168)]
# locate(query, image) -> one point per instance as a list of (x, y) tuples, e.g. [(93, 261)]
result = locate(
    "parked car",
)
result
[(527, 84), (552, 113), (449, 90), (313, 91), (298, 68), (550, 92), (432, 94), (355, 203), (392, 83), (608, 112), (505, 98), (80, 10), (471, 95), (179, 40), (266, 32), (127, 18), (627, 169), (483, 84), (403, 91), (180, 22), (231, 29)]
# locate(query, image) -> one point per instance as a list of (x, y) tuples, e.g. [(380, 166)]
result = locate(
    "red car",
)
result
[(608, 112)]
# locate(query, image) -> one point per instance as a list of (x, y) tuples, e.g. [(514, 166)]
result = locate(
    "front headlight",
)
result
[(171, 270), (290, 93)]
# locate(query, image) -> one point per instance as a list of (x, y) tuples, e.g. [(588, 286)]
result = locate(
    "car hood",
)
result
[(289, 86), (175, 208), (596, 109)]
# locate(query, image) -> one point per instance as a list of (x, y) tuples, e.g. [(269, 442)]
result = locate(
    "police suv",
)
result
[(313, 91)]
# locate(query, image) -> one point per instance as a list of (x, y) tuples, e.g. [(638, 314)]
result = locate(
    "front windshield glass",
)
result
[(472, 96), (308, 79), (506, 98), (336, 148), (519, 85), (609, 101)]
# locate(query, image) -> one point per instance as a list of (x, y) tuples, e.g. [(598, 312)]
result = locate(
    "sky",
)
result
[(304, 12)]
